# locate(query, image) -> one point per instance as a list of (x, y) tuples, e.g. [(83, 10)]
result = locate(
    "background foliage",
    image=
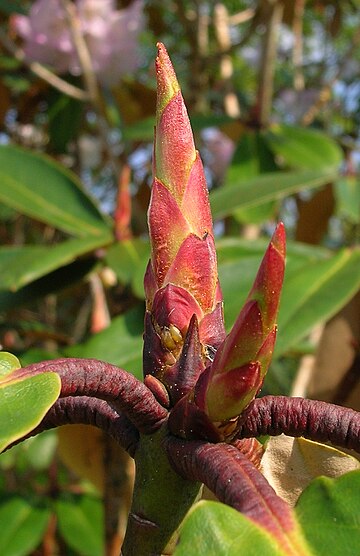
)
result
[(273, 92)]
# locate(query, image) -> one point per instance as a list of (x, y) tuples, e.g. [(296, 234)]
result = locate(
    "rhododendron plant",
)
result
[(195, 417), (111, 36), (184, 319)]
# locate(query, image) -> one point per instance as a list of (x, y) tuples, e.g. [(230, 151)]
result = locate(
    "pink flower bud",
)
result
[(181, 279)]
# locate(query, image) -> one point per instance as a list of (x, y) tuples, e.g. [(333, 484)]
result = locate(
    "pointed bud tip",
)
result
[(167, 82), (279, 239)]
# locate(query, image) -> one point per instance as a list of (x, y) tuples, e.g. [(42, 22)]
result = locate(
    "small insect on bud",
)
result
[(171, 337), (210, 352), (175, 334), (167, 340)]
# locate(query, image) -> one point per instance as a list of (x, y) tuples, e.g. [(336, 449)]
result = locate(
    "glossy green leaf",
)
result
[(23, 523), (137, 282), (39, 187), (347, 193), (268, 187), (317, 284), (329, 513), (252, 157), (129, 259), (140, 131), (303, 148), (40, 449), (238, 264), (36, 452), (315, 293), (52, 282), (120, 344), (24, 264), (236, 278), (8, 364), (80, 521), (24, 400), (214, 529), (234, 248), (64, 115)]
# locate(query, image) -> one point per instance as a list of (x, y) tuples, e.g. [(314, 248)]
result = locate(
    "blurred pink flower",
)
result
[(46, 34), (110, 34), (220, 149)]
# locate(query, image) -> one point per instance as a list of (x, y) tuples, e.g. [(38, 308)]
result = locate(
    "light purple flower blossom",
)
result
[(110, 34)]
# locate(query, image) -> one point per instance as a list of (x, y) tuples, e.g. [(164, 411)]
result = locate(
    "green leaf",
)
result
[(303, 148), (129, 259), (80, 520), (329, 513), (144, 129), (21, 265), (39, 187), (64, 115), (258, 190), (315, 293), (234, 248), (52, 282), (140, 131), (214, 529), (347, 192), (24, 399), (239, 261), (120, 344), (36, 452), (236, 278), (252, 157), (317, 284), (40, 449), (8, 364), (23, 525)]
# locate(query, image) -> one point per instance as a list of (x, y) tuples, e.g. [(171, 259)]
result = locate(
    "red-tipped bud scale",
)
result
[(209, 378), (181, 280), (241, 362)]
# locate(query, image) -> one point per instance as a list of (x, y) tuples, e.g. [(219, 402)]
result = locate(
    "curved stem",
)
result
[(90, 411), (90, 377), (236, 482), (316, 420)]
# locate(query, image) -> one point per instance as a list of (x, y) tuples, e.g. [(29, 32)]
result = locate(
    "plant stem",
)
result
[(82, 50), (90, 377), (299, 7), (222, 32), (267, 64), (161, 499), (316, 420)]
